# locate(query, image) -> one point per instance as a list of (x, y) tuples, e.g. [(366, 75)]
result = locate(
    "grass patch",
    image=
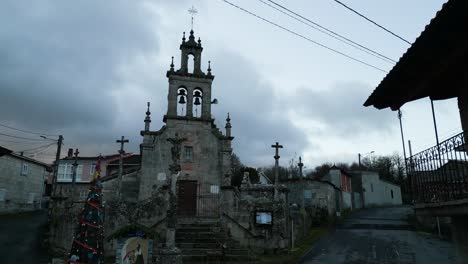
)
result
[(295, 254)]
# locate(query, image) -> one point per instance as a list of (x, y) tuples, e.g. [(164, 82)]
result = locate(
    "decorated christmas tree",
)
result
[(87, 246)]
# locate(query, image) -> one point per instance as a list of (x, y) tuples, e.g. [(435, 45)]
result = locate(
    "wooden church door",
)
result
[(187, 198)]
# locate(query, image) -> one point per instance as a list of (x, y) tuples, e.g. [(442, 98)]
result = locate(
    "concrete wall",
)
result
[(377, 192), (333, 176), (20, 192), (347, 201)]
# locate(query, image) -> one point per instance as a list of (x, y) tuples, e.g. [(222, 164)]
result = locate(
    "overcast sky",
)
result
[(86, 69)]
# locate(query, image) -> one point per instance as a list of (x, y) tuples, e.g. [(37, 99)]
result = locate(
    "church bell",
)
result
[(197, 96), (182, 99)]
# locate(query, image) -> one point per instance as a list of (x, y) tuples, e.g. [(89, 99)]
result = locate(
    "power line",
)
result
[(372, 21), (30, 132), (36, 148), (35, 139), (329, 32), (304, 37)]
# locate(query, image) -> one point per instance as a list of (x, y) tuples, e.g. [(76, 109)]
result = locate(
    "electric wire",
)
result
[(329, 32), (35, 139), (306, 38), (372, 21), (30, 132), (36, 148)]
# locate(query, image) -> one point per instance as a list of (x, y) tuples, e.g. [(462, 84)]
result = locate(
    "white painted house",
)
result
[(374, 191)]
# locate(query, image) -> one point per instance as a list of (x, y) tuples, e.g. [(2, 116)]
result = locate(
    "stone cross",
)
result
[(172, 199), (277, 146), (122, 141), (300, 164)]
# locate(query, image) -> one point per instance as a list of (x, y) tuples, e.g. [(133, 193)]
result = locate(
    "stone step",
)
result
[(229, 244), (194, 235), (210, 251), (226, 258)]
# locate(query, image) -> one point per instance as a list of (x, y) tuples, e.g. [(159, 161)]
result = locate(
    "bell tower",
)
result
[(189, 94)]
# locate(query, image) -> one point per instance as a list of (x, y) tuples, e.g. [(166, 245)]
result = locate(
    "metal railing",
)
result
[(440, 173)]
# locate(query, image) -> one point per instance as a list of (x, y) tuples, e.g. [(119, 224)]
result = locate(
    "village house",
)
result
[(370, 190), (22, 182), (342, 180), (84, 173), (311, 193)]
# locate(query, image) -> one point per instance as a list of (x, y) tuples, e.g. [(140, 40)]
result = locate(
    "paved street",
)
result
[(380, 235), (21, 238)]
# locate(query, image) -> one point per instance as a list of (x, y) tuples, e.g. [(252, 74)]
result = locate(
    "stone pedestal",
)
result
[(170, 237), (168, 256)]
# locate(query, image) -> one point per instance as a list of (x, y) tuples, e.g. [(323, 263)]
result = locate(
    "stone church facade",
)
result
[(181, 190), (206, 151)]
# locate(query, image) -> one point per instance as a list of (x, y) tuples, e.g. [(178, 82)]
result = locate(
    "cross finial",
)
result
[(192, 11)]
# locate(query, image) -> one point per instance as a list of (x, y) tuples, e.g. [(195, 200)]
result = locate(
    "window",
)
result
[(214, 189), (2, 194), (372, 187), (307, 194), (92, 169), (65, 172), (24, 169), (188, 154), (391, 193)]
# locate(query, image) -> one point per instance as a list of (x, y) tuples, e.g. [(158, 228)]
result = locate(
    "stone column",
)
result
[(189, 101)]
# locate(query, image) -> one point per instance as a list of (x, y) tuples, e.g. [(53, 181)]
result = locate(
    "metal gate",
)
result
[(208, 200)]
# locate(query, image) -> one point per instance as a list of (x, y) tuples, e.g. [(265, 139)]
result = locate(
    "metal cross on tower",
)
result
[(192, 11)]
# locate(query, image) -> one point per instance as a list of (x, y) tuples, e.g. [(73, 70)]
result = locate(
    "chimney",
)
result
[(70, 153)]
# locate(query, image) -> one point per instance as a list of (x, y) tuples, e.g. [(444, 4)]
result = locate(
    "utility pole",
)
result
[(75, 167), (122, 141), (277, 146), (56, 165)]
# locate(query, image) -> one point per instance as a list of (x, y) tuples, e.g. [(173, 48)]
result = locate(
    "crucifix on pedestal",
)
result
[(122, 141), (277, 146), (174, 168)]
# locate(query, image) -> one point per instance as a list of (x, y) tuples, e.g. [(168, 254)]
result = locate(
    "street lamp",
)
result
[(365, 154)]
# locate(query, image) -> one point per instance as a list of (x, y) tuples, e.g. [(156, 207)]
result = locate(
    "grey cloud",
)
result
[(59, 59), (257, 117), (340, 109)]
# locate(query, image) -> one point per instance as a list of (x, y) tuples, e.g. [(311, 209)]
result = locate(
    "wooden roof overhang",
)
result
[(435, 66)]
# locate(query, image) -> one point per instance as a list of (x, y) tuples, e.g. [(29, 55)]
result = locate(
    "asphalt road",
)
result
[(21, 238), (383, 236)]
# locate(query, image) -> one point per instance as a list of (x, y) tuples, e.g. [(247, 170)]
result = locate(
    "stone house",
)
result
[(308, 192), (341, 179), (373, 191), (22, 182)]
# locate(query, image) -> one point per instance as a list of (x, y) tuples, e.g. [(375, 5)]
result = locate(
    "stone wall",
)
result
[(20, 191), (239, 214), (211, 159)]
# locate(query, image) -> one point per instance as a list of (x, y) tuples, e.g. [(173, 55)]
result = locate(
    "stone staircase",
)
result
[(205, 241)]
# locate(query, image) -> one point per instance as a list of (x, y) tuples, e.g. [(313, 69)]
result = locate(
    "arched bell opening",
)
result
[(190, 63), (197, 102), (181, 101)]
